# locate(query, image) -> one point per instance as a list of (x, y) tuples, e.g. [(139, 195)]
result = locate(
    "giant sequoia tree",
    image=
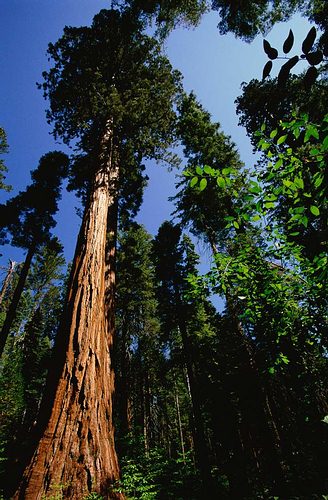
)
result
[(112, 90)]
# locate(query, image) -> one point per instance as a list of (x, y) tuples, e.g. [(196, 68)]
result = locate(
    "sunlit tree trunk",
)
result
[(76, 452), (6, 281), (177, 405)]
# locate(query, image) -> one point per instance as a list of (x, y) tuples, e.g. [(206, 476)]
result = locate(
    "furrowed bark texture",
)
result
[(76, 454)]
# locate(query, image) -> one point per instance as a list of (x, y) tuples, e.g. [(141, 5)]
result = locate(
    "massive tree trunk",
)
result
[(76, 452), (11, 313)]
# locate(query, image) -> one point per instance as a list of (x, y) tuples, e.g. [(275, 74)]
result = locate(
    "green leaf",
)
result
[(221, 182), (202, 184), (270, 197), (311, 131), (299, 182), (208, 170), (318, 181), (273, 133), (255, 218), (296, 133), (193, 181), (315, 210), (281, 139), (255, 188), (199, 170), (278, 164), (235, 223), (227, 170), (315, 151), (284, 359), (265, 145), (325, 142)]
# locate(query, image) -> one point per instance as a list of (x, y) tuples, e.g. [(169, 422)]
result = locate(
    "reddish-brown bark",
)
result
[(76, 452)]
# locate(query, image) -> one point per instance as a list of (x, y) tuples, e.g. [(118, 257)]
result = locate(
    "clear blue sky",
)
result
[(213, 66)]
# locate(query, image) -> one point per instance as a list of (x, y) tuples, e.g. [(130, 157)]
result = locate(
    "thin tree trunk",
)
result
[(125, 389), (146, 413), (6, 281), (11, 313), (177, 404), (201, 451), (76, 451)]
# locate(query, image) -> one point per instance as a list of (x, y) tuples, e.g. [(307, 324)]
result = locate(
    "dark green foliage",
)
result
[(36, 350), (11, 402), (97, 84), (158, 477), (25, 361), (245, 19), (294, 183), (137, 329), (205, 144), (250, 18), (168, 13), (153, 400), (188, 327), (268, 102), (28, 217), (3, 168)]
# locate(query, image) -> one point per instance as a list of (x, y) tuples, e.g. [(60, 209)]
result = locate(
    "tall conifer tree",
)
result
[(110, 88), (28, 219)]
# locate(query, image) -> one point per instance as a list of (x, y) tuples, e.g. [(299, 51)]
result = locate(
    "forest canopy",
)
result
[(130, 372)]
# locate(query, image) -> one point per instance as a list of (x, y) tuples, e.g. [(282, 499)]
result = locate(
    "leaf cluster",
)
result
[(313, 57)]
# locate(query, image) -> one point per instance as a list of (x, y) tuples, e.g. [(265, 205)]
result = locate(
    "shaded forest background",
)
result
[(207, 404)]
